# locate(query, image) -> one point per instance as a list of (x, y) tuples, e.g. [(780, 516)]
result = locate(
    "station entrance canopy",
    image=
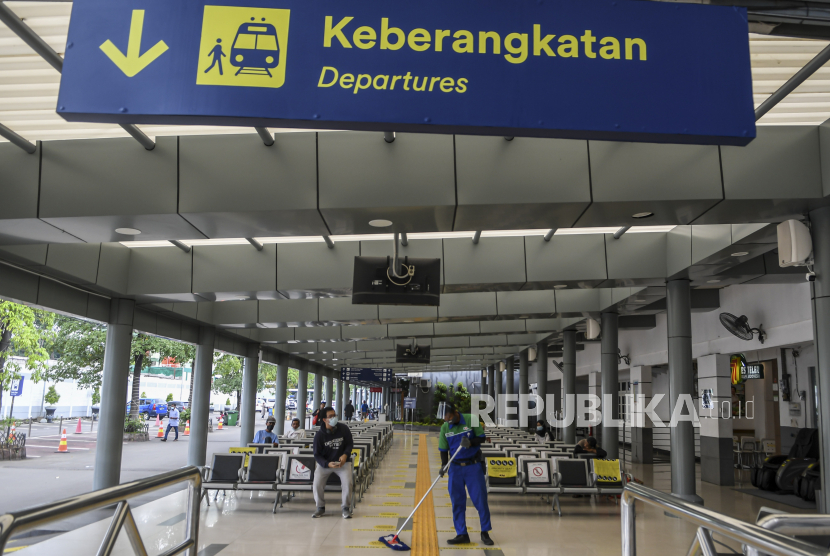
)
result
[(616, 70)]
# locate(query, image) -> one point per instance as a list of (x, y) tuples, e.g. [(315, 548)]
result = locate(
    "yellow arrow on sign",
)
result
[(134, 62)]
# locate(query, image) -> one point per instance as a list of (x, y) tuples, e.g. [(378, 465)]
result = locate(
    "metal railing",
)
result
[(756, 539), (24, 520)]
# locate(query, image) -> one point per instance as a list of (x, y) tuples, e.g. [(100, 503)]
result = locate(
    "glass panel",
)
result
[(267, 42), (245, 41)]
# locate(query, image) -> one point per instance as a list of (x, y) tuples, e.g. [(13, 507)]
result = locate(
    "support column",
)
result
[(509, 389), (524, 390), (281, 394), (386, 406), (114, 394), (569, 383), (609, 366), (642, 438), (338, 396), (302, 392), (820, 293), (497, 393), (247, 412), (595, 389), (542, 379), (491, 389), (318, 389), (681, 382), (714, 373), (329, 387), (200, 408)]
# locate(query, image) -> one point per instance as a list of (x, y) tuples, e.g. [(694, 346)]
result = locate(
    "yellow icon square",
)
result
[(243, 47)]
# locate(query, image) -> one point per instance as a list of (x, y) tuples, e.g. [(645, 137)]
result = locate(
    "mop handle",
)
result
[(435, 482)]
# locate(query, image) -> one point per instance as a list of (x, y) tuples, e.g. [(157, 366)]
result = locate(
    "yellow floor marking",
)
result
[(424, 529), (15, 549)]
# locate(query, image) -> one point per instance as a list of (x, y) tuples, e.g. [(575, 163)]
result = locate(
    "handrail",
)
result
[(708, 522), (24, 520)]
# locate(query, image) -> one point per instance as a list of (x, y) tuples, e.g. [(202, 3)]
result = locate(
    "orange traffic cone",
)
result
[(158, 421), (62, 447), (78, 428), (161, 432), (12, 433), (186, 428), (220, 423)]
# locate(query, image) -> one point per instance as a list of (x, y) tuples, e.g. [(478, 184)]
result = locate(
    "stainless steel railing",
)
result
[(756, 539), (24, 520)]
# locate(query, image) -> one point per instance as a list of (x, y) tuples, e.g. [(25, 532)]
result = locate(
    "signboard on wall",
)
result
[(754, 371), (605, 69), (360, 374), (16, 387)]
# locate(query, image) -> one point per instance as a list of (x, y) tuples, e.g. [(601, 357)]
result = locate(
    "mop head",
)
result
[(393, 542)]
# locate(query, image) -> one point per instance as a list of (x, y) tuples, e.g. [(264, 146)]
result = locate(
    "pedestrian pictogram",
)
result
[(243, 47), (134, 61)]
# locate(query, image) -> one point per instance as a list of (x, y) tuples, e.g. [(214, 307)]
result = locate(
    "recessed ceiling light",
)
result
[(712, 281), (740, 253), (380, 223), (127, 231), (560, 286), (642, 215)]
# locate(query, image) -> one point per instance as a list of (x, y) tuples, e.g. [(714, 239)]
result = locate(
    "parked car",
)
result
[(291, 404), (150, 407), (179, 405)]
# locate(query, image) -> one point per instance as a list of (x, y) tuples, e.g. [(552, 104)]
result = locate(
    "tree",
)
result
[(461, 398), (52, 397), (96, 396), (170, 397), (25, 332), (227, 374), (142, 346)]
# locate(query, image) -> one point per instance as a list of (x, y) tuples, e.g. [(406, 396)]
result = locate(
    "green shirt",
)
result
[(450, 437)]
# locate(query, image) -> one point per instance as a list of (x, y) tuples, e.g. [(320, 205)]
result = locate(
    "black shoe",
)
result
[(164, 440), (460, 539), (485, 538)]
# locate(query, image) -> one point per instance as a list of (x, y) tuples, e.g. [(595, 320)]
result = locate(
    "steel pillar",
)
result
[(542, 378), (200, 406), (609, 367), (569, 383), (281, 395), (302, 392), (247, 413), (820, 294), (117, 351), (681, 383), (524, 389)]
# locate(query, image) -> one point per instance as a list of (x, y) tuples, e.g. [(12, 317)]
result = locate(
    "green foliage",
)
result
[(461, 398), (133, 425), (144, 394), (27, 333), (52, 397), (184, 415), (79, 349), (169, 397), (96, 396), (227, 373)]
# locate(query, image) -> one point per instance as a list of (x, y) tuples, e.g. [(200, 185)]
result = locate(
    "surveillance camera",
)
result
[(811, 277)]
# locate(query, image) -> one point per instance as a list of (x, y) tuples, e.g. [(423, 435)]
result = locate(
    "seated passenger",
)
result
[(589, 446), (267, 435), (543, 432), (295, 431), (333, 445)]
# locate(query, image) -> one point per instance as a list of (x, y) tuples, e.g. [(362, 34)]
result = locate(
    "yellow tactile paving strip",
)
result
[(424, 530)]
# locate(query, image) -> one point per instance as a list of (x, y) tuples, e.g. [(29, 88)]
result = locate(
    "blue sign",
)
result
[(358, 374), (604, 69), (17, 387), (409, 403)]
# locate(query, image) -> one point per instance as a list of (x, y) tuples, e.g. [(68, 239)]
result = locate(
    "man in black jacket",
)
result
[(589, 446), (333, 445), (349, 411)]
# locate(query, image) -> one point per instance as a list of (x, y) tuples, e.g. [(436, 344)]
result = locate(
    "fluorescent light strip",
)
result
[(388, 237)]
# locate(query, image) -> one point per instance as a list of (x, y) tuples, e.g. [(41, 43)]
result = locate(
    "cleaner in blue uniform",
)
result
[(466, 471)]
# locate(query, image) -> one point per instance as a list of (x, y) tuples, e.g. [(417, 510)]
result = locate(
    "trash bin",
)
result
[(233, 417)]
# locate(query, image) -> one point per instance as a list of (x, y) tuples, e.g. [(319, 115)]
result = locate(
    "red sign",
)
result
[(375, 389)]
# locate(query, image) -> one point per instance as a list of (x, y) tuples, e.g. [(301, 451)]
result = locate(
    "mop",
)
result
[(392, 541)]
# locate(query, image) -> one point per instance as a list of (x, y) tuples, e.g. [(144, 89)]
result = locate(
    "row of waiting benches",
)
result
[(290, 467), (518, 463)]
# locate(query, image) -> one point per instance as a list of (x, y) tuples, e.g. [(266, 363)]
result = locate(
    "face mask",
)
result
[(269, 427), (540, 429), (333, 421)]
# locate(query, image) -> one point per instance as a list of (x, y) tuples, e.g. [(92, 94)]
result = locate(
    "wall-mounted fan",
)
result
[(739, 326)]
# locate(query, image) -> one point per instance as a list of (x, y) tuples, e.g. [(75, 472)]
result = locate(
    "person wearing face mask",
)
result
[(295, 431), (467, 471), (543, 432), (333, 445), (267, 435)]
